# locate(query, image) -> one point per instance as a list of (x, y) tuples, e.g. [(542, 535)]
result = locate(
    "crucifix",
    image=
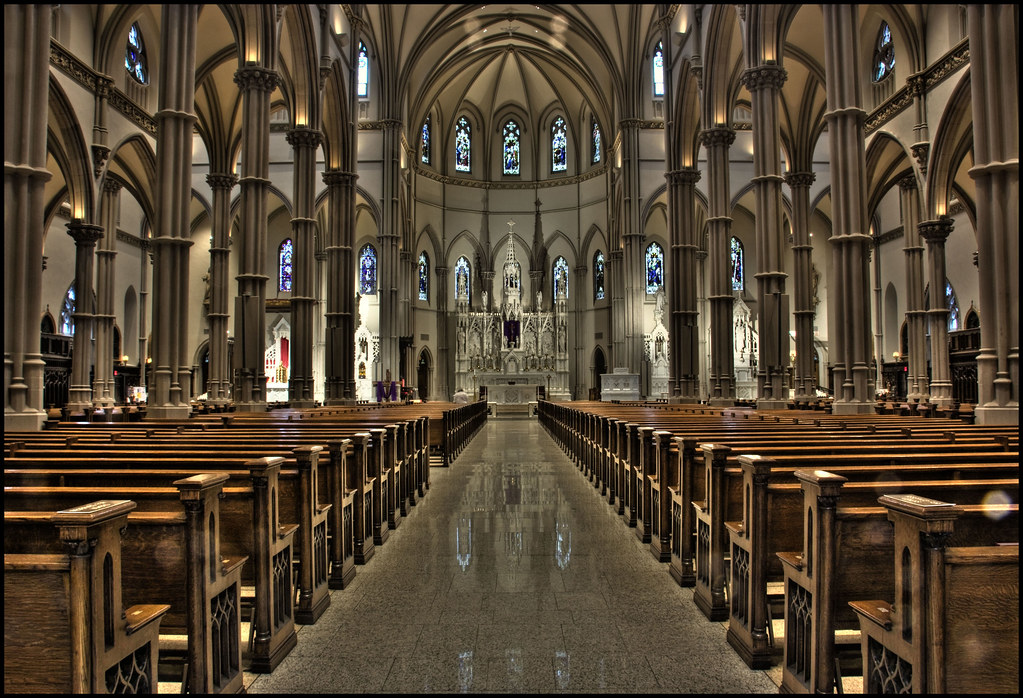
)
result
[(511, 226)]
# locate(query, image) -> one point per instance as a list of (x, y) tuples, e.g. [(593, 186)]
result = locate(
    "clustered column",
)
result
[(443, 330), (684, 331), (388, 265), (218, 387), (719, 223), (633, 252), (848, 308), (301, 387), (106, 252), (764, 83), (936, 233), (802, 252), (85, 236), (339, 380), (26, 90), (916, 313)]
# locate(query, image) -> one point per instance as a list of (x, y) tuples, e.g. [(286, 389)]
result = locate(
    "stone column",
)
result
[(106, 252), (994, 66), (764, 83), (684, 331), (445, 357), (916, 313), (26, 91), (145, 274), (388, 239), (85, 236), (802, 252), (613, 275), (579, 365), (256, 84), (304, 141), (633, 248), (935, 233), (218, 389), (719, 223), (339, 376), (849, 297), (702, 317), (170, 396)]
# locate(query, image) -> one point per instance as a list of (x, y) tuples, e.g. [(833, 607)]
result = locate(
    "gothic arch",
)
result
[(887, 161), (951, 145), (300, 68), (66, 144)]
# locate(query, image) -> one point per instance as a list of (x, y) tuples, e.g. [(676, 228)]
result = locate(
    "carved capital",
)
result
[(100, 155), (304, 137), (769, 75), (799, 179), (921, 151), (256, 77), (111, 186), (684, 175), (718, 136), (908, 182), (936, 232), (917, 84), (84, 234), (338, 177), (221, 181)]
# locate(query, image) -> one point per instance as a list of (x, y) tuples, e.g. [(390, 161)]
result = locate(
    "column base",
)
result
[(302, 403), (250, 406), (771, 404), (997, 415), (24, 421), (156, 412), (721, 402), (852, 408)]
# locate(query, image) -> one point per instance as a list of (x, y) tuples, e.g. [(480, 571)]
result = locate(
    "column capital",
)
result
[(304, 137), (769, 75), (338, 177), (683, 175), (936, 231), (908, 182), (111, 186), (84, 234), (221, 181), (717, 136), (799, 179), (256, 77)]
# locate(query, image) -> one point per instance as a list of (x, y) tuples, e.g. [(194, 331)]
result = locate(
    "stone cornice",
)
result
[(136, 242), (893, 234), (534, 184)]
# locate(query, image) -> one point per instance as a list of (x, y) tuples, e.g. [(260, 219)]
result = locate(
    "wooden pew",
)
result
[(249, 528), (174, 556), (952, 623), (66, 629)]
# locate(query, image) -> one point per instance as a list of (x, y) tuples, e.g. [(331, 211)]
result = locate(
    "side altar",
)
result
[(511, 351)]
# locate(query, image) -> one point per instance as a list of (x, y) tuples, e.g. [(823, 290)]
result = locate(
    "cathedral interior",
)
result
[(323, 204)]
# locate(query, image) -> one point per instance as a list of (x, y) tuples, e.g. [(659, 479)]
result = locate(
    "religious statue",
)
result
[(539, 300), (486, 301)]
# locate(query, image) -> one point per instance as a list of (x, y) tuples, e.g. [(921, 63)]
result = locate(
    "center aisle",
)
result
[(512, 575)]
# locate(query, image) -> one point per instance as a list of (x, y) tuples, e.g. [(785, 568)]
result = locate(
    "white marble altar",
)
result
[(619, 385)]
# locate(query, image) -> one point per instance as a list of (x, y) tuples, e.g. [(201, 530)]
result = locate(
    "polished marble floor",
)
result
[(512, 575)]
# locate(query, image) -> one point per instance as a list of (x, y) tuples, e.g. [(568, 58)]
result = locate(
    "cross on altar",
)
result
[(511, 226)]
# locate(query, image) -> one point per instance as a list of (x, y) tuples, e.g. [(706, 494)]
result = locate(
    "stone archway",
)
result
[(424, 371)]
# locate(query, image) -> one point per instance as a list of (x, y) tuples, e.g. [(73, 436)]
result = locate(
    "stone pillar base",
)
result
[(722, 402), (250, 407), (772, 404), (852, 408), (997, 415), (24, 421), (168, 412)]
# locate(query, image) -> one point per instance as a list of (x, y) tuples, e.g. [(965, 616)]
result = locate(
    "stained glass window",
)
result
[(284, 257), (135, 56), (953, 307), (463, 278), (424, 277), (658, 67), (424, 144), (511, 148), (367, 270), (67, 313), (598, 276), (560, 277), (737, 265), (654, 268), (559, 145), (463, 145), (884, 53), (362, 79), (596, 143)]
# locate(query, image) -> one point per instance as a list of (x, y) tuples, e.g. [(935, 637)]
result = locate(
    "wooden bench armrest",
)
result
[(323, 508), (735, 527), (141, 615), (792, 559), (879, 612), (230, 564), (36, 562), (285, 530)]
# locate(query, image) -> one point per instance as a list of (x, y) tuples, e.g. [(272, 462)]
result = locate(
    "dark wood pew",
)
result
[(175, 557), (952, 623), (66, 629), (249, 528)]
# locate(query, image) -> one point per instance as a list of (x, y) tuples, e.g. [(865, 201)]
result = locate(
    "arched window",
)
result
[(463, 278), (658, 70), (654, 268), (596, 142), (284, 258), (424, 143), (424, 277), (67, 312), (135, 56), (884, 54), (953, 307), (362, 79), (598, 276), (367, 270), (737, 265), (463, 145), (559, 145), (511, 148), (560, 277)]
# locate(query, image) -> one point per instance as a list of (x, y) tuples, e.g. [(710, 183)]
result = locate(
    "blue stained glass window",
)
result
[(511, 148), (658, 67), (560, 277), (654, 268), (463, 145), (424, 277), (559, 145), (598, 276), (284, 267), (67, 313), (424, 144), (367, 270), (362, 78), (953, 307), (135, 56), (463, 278), (737, 265), (884, 54), (596, 143)]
